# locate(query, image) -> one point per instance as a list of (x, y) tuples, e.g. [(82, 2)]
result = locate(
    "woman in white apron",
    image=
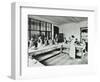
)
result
[(39, 42), (72, 47)]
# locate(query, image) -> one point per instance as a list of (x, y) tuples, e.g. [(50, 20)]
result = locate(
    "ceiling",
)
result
[(63, 19)]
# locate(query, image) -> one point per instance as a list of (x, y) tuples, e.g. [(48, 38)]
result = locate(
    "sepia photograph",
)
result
[(57, 40)]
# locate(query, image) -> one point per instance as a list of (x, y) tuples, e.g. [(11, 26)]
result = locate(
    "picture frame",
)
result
[(19, 51)]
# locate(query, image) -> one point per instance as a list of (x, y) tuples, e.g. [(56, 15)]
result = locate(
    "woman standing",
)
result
[(72, 47)]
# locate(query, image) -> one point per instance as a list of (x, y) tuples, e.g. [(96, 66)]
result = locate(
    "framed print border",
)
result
[(17, 67)]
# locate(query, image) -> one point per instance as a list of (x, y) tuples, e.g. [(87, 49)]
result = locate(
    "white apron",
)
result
[(72, 49)]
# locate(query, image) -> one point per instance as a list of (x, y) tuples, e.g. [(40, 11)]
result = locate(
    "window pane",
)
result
[(47, 27), (42, 26), (37, 25), (34, 34), (43, 33)]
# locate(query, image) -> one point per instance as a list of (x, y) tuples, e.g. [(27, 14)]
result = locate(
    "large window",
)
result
[(39, 28), (84, 34)]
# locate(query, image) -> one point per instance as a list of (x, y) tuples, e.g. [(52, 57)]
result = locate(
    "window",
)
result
[(84, 33), (39, 28)]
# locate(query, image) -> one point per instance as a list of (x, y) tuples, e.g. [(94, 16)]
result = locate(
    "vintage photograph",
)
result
[(57, 40)]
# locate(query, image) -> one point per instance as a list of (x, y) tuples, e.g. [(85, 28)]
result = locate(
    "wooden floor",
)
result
[(59, 59), (64, 59)]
